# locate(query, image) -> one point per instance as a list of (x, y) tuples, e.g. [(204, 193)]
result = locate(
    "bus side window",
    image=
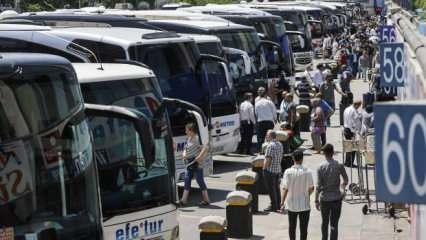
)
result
[(15, 45), (105, 52)]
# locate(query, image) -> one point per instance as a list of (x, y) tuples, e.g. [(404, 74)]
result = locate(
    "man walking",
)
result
[(266, 115), (272, 170), (298, 185), (247, 123), (328, 195)]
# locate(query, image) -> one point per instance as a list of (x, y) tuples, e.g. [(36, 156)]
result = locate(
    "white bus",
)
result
[(138, 193)]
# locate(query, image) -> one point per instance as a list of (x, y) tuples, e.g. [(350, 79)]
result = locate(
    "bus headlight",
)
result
[(175, 233)]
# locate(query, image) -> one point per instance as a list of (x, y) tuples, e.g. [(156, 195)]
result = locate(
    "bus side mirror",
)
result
[(121, 121)]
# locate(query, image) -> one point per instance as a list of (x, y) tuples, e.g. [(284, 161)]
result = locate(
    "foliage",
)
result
[(419, 4)]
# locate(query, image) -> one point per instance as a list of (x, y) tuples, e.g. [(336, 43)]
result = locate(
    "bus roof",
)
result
[(22, 27), (124, 37), (250, 17), (92, 72), (201, 38), (33, 59), (226, 9), (73, 16), (165, 14), (206, 25)]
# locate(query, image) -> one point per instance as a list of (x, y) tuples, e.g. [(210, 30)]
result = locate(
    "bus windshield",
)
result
[(174, 64), (222, 98), (127, 183), (299, 43), (46, 159), (316, 14), (247, 41), (213, 48)]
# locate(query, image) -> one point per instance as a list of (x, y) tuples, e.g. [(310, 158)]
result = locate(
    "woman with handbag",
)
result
[(317, 125), (193, 155)]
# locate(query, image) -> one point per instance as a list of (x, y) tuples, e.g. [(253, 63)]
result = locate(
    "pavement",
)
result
[(354, 225)]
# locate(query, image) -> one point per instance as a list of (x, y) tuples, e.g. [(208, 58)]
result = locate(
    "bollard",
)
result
[(257, 167), (212, 228), (239, 214), (246, 181)]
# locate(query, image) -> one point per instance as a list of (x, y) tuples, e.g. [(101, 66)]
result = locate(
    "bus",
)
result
[(138, 193), (301, 50), (49, 184), (225, 130), (298, 18)]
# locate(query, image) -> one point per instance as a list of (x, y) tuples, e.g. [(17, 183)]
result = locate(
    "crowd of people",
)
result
[(353, 54)]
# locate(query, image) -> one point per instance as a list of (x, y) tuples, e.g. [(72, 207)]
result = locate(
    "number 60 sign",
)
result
[(392, 65), (401, 152)]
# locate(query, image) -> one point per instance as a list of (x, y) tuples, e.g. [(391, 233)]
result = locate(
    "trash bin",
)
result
[(212, 228), (239, 215), (246, 181), (305, 117), (257, 167)]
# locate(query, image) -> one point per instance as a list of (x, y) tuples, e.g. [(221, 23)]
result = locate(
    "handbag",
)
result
[(192, 164), (296, 142)]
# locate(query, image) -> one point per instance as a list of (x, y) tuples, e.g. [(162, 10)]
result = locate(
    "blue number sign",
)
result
[(400, 152), (387, 33), (392, 64)]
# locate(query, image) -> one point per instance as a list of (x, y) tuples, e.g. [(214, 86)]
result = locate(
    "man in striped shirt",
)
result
[(272, 169), (298, 185)]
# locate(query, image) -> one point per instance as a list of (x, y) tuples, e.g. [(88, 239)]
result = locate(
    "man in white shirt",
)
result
[(266, 115), (352, 125), (317, 77), (261, 91), (297, 185), (247, 123)]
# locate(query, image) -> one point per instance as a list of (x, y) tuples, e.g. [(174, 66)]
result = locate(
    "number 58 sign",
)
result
[(401, 152), (392, 65)]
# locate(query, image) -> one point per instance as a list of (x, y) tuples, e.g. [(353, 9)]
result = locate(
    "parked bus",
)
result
[(298, 18), (225, 130), (301, 50), (138, 193), (49, 184)]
